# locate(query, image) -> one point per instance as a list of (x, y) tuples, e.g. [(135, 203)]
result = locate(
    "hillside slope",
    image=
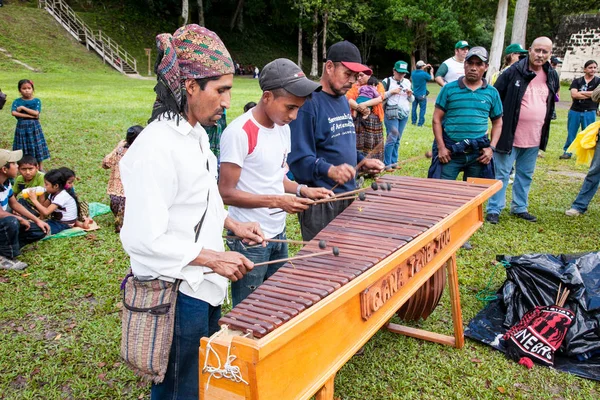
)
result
[(33, 36)]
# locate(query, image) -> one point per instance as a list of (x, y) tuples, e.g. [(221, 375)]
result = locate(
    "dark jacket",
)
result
[(511, 85)]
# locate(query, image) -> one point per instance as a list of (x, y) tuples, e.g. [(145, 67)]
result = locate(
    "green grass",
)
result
[(59, 318)]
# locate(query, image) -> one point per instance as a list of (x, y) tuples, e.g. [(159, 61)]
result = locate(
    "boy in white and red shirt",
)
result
[(253, 180)]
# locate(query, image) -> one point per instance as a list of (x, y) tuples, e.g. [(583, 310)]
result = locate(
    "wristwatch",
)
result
[(299, 189), (493, 147)]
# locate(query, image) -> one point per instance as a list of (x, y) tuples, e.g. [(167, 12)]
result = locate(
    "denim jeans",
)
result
[(590, 185), (466, 162), (13, 236), (253, 279), (56, 226), (525, 159), (194, 319), (575, 120), (422, 103), (394, 129)]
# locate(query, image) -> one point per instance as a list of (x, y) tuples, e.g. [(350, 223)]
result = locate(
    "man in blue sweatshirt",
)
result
[(323, 138)]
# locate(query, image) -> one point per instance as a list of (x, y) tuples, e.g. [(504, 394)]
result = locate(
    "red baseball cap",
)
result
[(349, 55)]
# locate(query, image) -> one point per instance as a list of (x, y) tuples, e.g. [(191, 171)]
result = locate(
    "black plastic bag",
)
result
[(534, 280)]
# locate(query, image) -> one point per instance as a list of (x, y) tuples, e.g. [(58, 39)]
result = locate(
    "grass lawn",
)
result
[(59, 318)]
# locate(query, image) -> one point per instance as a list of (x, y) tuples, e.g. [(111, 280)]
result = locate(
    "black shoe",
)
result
[(526, 216), (492, 218), (565, 156)]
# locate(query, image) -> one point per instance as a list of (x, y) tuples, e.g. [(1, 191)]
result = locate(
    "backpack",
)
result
[(2, 99)]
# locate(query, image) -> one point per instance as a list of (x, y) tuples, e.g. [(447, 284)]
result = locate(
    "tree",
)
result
[(185, 12), (315, 44), (519, 29), (238, 17), (201, 12), (498, 40), (415, 23)]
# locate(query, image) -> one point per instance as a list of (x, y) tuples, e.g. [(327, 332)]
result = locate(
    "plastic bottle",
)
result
[(38, 191)]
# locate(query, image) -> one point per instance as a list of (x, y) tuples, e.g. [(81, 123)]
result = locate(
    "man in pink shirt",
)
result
[(527, 90)]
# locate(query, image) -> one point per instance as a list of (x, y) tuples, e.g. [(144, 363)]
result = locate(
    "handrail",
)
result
[(107, 48)]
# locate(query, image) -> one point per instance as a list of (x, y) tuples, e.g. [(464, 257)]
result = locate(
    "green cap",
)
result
[(514, 48), (461, 44), (401, 67)]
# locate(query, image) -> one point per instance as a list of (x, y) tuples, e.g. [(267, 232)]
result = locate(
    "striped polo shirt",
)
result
[(467, 111)]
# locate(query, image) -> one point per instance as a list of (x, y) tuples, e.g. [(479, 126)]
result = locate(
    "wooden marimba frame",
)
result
[(295, 351)]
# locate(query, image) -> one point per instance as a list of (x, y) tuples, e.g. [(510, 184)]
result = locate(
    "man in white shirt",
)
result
[(454, 67), (174, 215), (253, 181)]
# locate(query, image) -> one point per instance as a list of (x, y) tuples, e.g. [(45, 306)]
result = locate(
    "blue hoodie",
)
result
[(323, 135)]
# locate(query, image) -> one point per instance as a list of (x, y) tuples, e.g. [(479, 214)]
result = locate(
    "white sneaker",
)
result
[(7, 263), (571, 212)]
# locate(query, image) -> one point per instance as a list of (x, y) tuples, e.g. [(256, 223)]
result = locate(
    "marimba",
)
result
[(289, 338)]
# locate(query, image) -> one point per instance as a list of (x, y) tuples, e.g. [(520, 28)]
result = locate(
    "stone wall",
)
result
[(577, 41)]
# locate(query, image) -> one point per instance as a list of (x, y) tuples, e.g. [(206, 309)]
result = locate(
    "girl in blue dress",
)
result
[(29, 136)]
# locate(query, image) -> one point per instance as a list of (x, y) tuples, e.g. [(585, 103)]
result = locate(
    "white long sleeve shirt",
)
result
[(167, 185)]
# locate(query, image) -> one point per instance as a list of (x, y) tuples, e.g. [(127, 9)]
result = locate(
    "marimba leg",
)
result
[(459, 336), (458, 340), (326, 392)]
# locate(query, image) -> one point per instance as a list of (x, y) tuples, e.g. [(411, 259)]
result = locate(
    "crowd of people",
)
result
[(300, 142)]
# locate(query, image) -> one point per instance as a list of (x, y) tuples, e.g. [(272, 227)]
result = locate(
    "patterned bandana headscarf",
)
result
[(193, 52)]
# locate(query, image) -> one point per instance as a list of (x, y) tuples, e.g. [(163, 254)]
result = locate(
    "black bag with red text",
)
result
[(539, 334)]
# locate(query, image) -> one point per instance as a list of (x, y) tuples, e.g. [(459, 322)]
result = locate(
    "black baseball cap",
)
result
[(349, 55), (285, 74)]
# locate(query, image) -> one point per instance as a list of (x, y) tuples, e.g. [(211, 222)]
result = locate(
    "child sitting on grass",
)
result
[(30, 177), (60, 206), (115, 187), (16, 230), (83, 209)]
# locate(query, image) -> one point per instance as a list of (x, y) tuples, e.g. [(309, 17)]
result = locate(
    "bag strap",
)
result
[(198, 226), (162, 309)]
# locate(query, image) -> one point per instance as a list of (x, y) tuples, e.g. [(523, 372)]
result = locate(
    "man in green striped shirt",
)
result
[(462, 110)]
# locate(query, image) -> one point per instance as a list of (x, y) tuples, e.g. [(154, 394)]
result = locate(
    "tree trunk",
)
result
[(315, 45), (201, 12), (300, 39), (422, 44), (519, 29), (185, 12), (413, 60), (498, 40), (237, 16), (325, 20)]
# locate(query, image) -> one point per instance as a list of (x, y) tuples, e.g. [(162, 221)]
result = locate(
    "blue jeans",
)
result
[(575, 120), (462, 162), (525, 165), (590, 185), (194, 319), (253, 279), (394, 129), (422, 103), (56, 226), (13, 236)]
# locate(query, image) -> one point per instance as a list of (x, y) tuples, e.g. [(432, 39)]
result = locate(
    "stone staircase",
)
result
[(96, 41)]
